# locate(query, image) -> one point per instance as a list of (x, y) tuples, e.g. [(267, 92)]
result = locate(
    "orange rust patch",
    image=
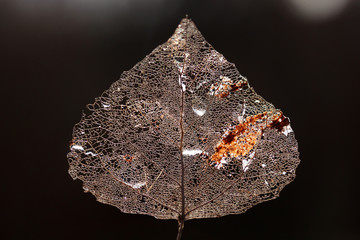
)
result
[(243, 138), (128, 158), (230, 88), (203, 139), (223, 94), (72, 142), (239, 85), (240, 140), (223, 89)]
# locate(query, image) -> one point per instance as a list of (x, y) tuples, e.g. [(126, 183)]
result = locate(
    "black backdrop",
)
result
[(59, 55)]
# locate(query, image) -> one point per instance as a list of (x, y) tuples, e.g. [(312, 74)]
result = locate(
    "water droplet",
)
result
[(198, 106)]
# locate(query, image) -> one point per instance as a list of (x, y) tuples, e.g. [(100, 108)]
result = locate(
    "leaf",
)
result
[(182, 135)]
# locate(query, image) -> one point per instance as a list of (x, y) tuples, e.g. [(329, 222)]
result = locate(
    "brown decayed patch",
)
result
[(240, 141), (279, 122)]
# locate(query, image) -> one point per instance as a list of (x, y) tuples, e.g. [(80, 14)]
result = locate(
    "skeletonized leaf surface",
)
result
[(182, 132)]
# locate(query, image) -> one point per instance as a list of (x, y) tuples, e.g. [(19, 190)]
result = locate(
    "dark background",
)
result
[(58, 55)]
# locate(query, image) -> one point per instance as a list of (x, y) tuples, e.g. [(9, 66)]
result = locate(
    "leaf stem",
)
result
[(181, 221), (181, 218)]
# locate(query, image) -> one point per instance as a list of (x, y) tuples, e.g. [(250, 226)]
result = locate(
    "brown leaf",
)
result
[(182, 135)]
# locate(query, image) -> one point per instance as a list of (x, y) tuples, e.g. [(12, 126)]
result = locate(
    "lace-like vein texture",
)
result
[(184, 98)]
